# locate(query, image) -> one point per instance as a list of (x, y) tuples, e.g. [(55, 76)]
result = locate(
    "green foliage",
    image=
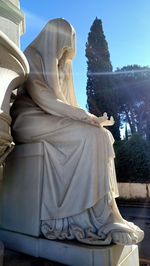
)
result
[(133, 84), (101, 91), (97, 50), (133, 160), (125, 94)]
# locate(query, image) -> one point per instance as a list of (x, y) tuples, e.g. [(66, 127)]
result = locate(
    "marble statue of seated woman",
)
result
[(79, 183)]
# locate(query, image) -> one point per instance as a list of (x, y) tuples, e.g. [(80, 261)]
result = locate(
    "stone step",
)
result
[(70, 252)]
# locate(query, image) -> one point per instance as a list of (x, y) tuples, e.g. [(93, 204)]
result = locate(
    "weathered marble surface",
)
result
[(79, 183), (71, 253), (13, 72), (12, 21), (15, 2), (21, 190)]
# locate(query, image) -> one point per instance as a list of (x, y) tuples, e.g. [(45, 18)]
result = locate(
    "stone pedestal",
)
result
[(21, 190), (71, 253), (20, 208)]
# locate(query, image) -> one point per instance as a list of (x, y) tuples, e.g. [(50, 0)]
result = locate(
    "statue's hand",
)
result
[(98, 121), (104, 121)]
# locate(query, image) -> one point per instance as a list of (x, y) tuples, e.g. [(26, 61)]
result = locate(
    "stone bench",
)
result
[(20, 209), (21, 190)]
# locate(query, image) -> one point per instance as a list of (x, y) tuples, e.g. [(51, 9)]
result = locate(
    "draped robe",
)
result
[(79, 182)]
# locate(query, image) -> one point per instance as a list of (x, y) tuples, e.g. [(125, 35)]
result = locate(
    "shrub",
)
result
[(133, 160)]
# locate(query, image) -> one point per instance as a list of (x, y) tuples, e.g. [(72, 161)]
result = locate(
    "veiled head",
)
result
[(57, 37), (50, 56)]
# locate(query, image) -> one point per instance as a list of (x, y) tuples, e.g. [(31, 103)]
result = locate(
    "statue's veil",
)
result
[(56, 39)]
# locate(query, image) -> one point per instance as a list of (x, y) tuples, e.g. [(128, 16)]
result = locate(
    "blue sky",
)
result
[(126, 25)]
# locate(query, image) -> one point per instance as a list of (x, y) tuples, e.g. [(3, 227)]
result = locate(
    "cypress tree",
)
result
[(101, 90)]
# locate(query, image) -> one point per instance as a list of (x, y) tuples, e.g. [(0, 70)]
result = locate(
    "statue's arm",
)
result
[(48, 102)]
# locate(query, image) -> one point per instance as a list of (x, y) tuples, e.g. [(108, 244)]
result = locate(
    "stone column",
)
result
[(13, 72), (12, 21), (14, 67)]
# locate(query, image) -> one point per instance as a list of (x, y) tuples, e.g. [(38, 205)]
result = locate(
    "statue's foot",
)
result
[(123, 238)]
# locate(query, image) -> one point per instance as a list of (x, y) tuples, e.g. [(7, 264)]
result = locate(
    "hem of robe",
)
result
[(94, 226)]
